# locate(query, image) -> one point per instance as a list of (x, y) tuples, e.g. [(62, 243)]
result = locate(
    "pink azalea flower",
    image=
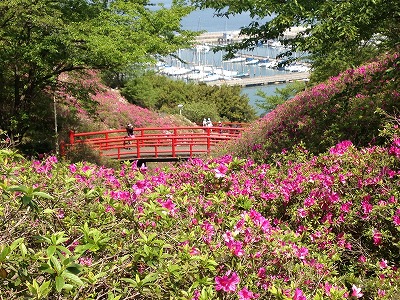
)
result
[(72, 168), (60, 214), (221, 171), (346, 206), (356, 292), (381, 293), (194, 251), (196, 295), (85, 261), (109, 209), (327, 288), (383, 264), (227, 283), (261, 273), (396, 220), (245, 294), (377, 237), (298, 295), (302, 252), (340, 148), (236, 247), (366, 206), (302, 212)]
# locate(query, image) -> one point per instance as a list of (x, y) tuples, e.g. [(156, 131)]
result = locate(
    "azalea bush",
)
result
[(109, 109), (304, 226), (342, 108)]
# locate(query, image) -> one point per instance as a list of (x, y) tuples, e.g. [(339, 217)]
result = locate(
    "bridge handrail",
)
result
[(154, 137)]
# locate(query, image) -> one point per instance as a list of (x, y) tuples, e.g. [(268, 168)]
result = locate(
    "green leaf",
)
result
[(19, 188), (45, 288), (56, 264), (60, 282), (147, 249), (16, 243), (61, 239), (131, 281), (73, 278), (46, 268), (74, 269), (144, 237), (68, 287), (63, 249), (150, 278), (51, 250), (4, 253), (43, 195)]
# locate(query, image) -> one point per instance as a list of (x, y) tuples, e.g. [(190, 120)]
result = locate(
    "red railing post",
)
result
[(71, 137), (191, 150), (208, 140), (62, 148), (137, 149), (174, 142)]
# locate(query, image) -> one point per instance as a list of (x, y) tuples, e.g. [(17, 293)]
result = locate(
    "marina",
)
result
[(248, 68)]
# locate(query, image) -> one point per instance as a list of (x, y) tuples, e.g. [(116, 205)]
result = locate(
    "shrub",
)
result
[(304, 227), (343, 108)]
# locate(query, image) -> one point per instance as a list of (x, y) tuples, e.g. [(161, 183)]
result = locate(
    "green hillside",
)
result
[(351, 106)]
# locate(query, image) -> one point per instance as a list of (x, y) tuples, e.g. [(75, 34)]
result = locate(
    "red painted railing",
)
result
[(154, 142)]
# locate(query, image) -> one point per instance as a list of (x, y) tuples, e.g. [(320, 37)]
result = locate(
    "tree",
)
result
[(162, 93), (281, 95), (41, 39), (337, 34)]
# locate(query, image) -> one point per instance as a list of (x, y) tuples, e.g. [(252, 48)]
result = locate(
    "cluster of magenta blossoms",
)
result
[(302, 227), (112, 111), (345, 107)]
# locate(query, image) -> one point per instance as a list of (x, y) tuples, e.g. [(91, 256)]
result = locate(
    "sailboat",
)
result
[(251, 61)]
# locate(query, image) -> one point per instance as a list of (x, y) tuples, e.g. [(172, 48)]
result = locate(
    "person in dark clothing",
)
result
[(129, 130), (130, 135)]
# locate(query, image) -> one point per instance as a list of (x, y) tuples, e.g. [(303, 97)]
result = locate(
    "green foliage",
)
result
[(197, 111), (342, 108), (199, 100), (280, 96), (83, 152), (42, 40)]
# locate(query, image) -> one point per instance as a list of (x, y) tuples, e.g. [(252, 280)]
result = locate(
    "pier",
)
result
[(263, 80), (226, 37)]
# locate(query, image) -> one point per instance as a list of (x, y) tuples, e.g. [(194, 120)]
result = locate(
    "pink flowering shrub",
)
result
[(108, 110), (303, 227), (342, 108)]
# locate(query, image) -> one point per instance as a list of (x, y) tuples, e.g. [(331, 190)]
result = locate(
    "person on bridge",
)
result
[(220, 125), (129, 130), (130, 134)]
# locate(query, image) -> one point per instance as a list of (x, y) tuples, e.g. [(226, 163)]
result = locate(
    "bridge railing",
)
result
[(154, 142)]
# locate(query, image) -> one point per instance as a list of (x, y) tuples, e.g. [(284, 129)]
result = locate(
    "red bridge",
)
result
[(155, 144)]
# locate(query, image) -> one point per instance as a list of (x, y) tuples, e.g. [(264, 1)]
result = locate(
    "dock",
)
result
[(226, 37), (263, 80)]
